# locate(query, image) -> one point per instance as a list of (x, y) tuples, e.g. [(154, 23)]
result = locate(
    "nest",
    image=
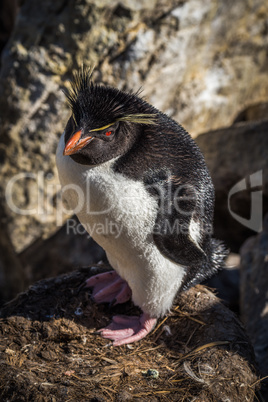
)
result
[(50, 350)]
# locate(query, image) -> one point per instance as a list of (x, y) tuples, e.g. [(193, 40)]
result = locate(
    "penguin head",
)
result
[(105, 122)]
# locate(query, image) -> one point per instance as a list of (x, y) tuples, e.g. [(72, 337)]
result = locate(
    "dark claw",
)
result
[(112, 303), (93, 299), (98, 332), (81, 287)]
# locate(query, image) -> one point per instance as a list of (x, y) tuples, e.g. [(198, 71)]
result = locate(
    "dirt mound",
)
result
[(50, 351)]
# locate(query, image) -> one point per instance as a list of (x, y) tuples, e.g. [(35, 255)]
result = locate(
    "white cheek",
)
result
[(194, 230)]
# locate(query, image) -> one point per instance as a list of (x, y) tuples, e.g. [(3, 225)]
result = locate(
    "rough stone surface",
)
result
[(68, 249), (226, 282), (12, 273), (48, 348), (8, 12), (257, 111), (254, 295), (199, 61), (233, 154)]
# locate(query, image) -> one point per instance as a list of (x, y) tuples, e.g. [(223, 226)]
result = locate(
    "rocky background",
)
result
[(202, 62)]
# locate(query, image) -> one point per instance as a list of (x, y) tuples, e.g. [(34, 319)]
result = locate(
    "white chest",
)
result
[(111, 207)]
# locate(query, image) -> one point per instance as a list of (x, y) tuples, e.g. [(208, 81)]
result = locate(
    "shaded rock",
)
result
[(50, 347), (8, 12), (233, 155), (257, 111), (254, 295), (12, 275), (69, 248), (197, 58), (226, 282)]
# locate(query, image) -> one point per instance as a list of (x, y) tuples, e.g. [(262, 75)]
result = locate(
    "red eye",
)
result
[(108, 133)]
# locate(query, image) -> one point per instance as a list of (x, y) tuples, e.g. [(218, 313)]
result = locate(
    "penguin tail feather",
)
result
[(219, 253)]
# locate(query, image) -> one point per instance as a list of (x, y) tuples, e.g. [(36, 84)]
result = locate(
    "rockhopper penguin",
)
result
[(125, 165)]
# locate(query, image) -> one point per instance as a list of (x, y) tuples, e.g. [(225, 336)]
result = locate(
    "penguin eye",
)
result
[(110, 131)]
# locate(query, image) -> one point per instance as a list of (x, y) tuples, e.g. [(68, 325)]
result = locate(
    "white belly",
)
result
[(120, 214)]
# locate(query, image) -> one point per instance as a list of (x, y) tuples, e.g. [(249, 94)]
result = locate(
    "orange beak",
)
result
[(75, 143)]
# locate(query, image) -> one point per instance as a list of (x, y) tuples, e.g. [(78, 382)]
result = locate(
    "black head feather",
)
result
[(101, 105)]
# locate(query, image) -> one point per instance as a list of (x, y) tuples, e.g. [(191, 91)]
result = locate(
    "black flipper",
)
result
[(179, 207), (202, 256)]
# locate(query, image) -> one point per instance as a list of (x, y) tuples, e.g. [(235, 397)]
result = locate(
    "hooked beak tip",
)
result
[(75, 143)]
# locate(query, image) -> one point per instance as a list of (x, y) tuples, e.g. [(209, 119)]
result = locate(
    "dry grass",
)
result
[(49, 350)]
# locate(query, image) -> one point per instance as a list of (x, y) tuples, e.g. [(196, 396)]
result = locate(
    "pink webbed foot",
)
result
[(109, 287), (126, 329)]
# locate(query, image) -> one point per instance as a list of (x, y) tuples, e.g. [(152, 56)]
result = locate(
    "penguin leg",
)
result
[(127, 329), (109, 287)]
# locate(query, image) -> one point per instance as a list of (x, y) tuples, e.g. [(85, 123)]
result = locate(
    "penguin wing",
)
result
[(178, 230)]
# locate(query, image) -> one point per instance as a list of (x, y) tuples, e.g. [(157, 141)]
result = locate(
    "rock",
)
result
[(199, 61), (257, 111), (12, 275), (69, 248), (226, 282), (200, 351), (8, 12), (234, 156), (254, 295)]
